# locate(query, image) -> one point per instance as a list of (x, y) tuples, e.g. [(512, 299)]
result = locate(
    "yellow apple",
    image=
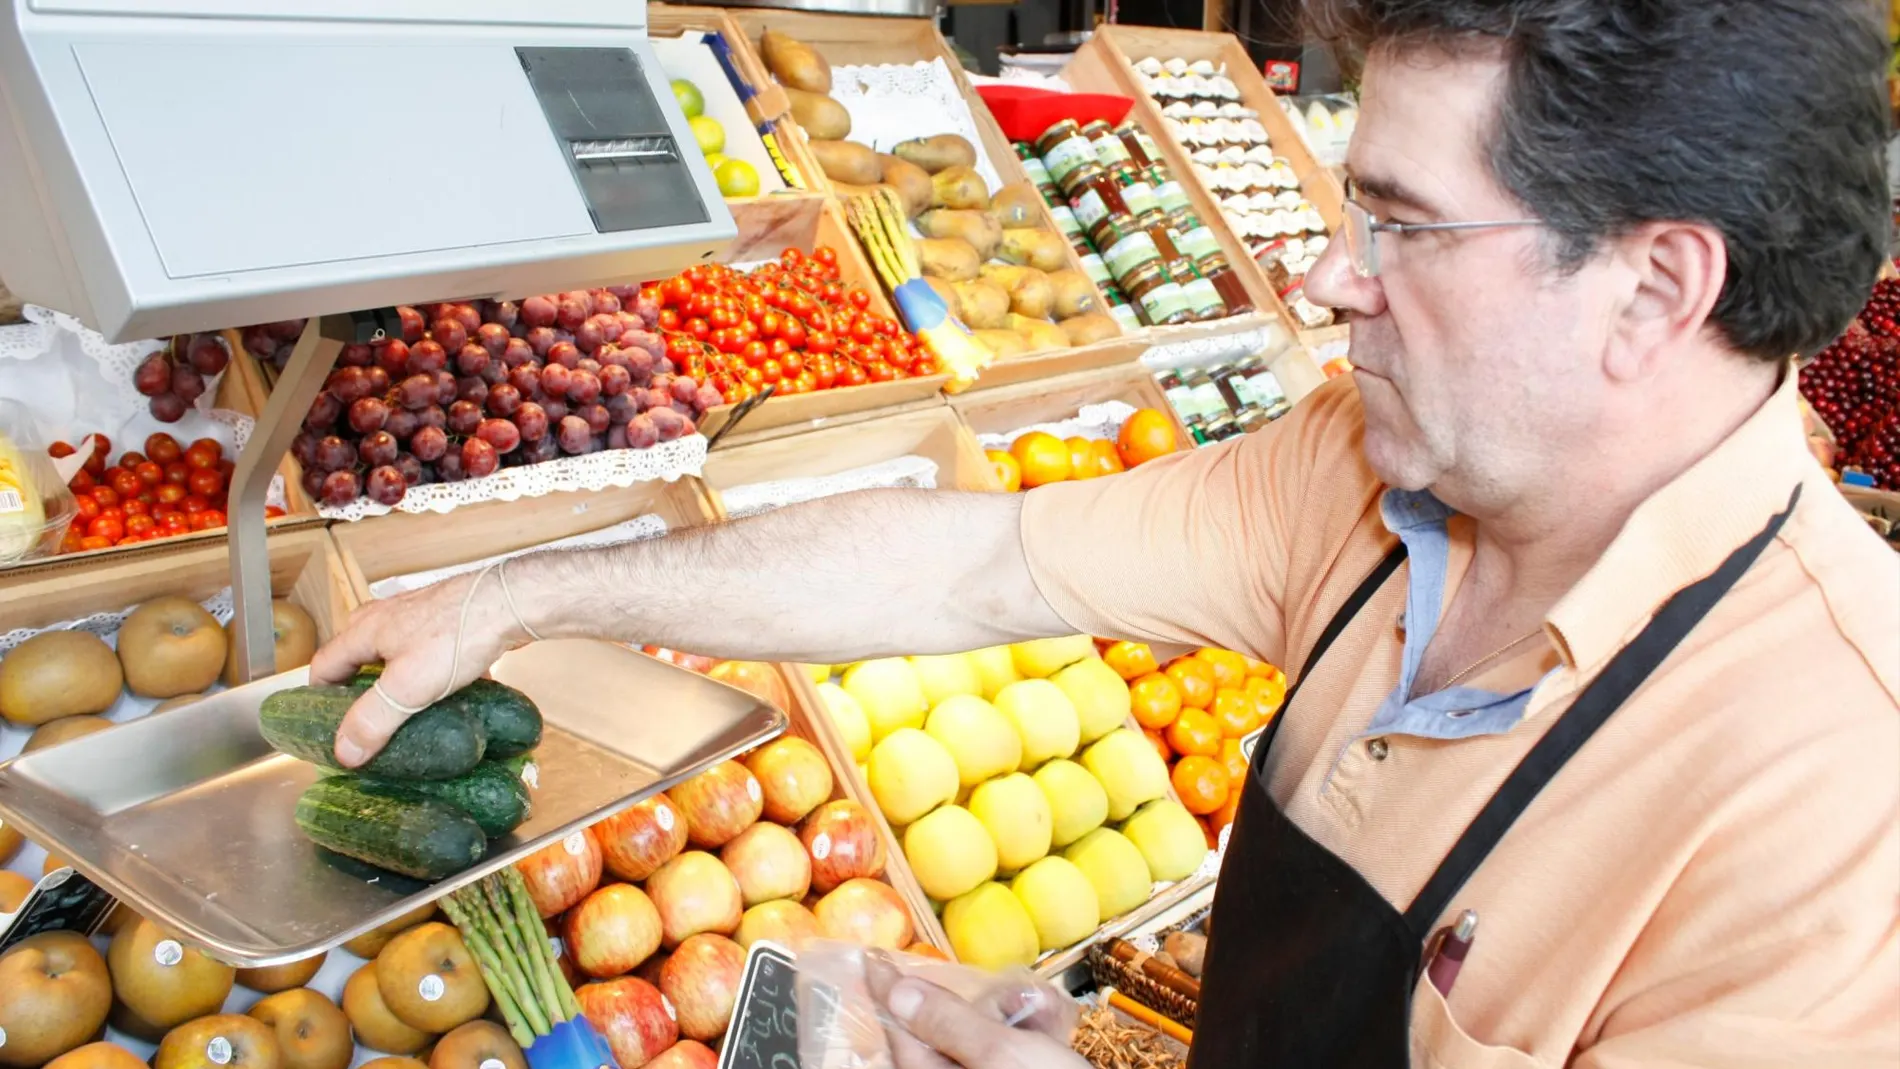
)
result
[(817, 673), (1060, 901), (989, 928), (1077, 803), (1169, 838), (910, 774), (1129, 769), (1043, 657), (890, 694), (1044, 719), (950, 852), (1017, 815), (995, 669), (845, 712), (1099, 695), (1116, 869), (982, 741), (943, 676)]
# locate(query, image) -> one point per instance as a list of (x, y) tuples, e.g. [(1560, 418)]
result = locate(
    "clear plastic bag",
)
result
[(842, 1025)]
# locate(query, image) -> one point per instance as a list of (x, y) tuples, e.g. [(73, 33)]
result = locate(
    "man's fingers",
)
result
[(948, 1024), (352, 648), (909, 1052), (376, 715)]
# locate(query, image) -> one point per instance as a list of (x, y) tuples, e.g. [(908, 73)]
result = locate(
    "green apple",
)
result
[(1017, 815), (1129, 770), (1043, 657), (1044, 717), (1099, 695), (989, 928), (889, 693), (1060, 901), (1077, 803), (848, 716), (983, 741), (1169, 838), (995, 669), (910, 774), (950, 852), (946, 675), (1116, 869)]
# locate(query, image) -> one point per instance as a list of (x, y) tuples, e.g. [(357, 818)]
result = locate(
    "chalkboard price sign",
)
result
[(764, 1029)]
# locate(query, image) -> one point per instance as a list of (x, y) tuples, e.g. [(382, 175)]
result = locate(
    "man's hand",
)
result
[(414, 636), (941, 1031)]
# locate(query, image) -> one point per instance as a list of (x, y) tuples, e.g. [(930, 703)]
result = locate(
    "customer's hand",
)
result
[(414, 637), (941, 1031)]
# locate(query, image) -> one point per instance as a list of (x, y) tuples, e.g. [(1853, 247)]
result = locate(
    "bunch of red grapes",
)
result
[(1854, 386), (791, 325), (174, 376)]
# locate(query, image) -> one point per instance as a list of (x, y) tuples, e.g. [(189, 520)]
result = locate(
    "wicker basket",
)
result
[(1129, 978)]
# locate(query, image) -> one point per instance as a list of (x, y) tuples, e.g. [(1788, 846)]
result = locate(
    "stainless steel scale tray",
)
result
[(186, 816)]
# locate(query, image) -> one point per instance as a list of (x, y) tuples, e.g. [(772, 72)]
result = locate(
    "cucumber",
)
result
[(493, 794), (510, 717), (526, 767), (390, 826), (441, 742)]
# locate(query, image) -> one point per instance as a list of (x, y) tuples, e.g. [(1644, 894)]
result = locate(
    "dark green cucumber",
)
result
[(391, 826), (441, 742), (525, 766), (510, 717), (493, 794)]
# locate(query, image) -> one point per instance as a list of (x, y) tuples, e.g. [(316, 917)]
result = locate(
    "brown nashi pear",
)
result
[(848, 162), (822, 118), (56, 674)]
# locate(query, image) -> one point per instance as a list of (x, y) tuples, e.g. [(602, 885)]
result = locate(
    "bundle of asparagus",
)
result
[(499, 923), (878, 217)]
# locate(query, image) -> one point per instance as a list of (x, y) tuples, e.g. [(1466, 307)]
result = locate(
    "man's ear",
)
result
[(1674, 273)]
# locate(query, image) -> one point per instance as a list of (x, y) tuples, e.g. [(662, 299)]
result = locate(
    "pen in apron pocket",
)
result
[(1452, 948)]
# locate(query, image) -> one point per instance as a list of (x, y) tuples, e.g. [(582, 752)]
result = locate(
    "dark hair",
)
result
[(1766, 119)]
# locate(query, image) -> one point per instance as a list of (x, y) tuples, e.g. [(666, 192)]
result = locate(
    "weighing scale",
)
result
[(172, 166)]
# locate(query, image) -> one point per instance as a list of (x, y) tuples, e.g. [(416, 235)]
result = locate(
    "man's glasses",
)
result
[(1362, 229)]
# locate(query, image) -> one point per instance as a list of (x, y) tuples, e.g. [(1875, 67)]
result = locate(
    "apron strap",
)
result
[(1625, 673), (1367, 587)]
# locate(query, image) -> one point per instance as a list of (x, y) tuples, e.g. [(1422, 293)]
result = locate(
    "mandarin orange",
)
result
[(1042, 457)]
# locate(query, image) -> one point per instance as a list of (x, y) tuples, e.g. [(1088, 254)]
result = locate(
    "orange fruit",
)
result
[(1160, 744), (1259, 668), (1196, 680), (1042, 457), (1233, 760), (1131, 660), (1156, 700), (1107, 460), (1147, 434), (1229, 809), (1267, 696), (1230, 668), (1235, 712), (1008, 472), (1202, 784), (1194, 733), (1081, 458), (1209, 832)]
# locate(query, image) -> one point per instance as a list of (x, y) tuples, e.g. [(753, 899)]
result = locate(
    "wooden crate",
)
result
[(934, 433), (403, 543), (1050, 363), (848, 39), (1012, 408), (770, 108), (809, 721)]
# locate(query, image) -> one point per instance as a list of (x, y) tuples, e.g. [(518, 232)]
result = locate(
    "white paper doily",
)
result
[(907, 471), (891, 103), (594, 471), (638, 529), (1099, 421)]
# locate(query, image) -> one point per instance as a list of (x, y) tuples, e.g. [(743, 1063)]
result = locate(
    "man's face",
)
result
[(1477, 361)]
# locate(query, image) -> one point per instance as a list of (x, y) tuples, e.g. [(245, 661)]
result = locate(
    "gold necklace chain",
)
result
[(1492, 656)]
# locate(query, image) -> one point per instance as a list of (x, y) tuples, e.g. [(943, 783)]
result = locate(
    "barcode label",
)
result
[(11, 501)]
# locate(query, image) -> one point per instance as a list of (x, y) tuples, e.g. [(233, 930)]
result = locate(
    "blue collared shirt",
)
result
[(1419, 519)]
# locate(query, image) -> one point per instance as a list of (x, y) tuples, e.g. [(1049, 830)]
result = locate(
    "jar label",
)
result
[(1110, 152), (1062, 159), (1131, 252), (1065, 219), (1126, 316), (1089, 208), (1203, 298), (1094, 267), (1208, 400), (1171, 196), (1037, 172), (1196, 244), (1164, 302), (1140, 198)]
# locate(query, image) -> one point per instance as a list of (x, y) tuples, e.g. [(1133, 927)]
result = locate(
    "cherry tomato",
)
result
[(858, 299), (202, 459), (825, 377), (791, 257), (170, 493), (105, 496), (110, 528), (862, 331), (72, 541), (669, 319), (82, 482), (178, 473), (698, 328), (699, 304), (881, 372), (131, 460), (675, 291), (826, 255), (832, 293), (101, 449), (126, 484), (821, 342), (794, 333), (88, 507), (194, 503), (853, 375), (793, 363), (163, 448), (60, 449), (175, 523), (162, 510), (135, 507), (225, 468), (140, 525), (95, 542), (886, 326), (771, 371), (209, 519), (150, 473), (753, 377), (754, 306), (755, 353), (208, 483)]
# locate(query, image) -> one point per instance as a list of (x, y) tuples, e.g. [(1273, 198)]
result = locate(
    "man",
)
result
[(1585, 641)]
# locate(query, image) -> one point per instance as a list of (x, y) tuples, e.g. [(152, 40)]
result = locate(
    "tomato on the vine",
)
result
[(826, 255), (698, 328), (792, 362), (669, 319), (821, 342), (794, 333), (858, 299), (755, 353)]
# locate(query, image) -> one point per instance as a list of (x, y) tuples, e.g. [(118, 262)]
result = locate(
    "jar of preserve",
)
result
[(1197, 243), (1221, 429), (1081, 177), (1065, 221), (1141, 148), (1109, 150), (1063, 149), (1100, 199), (1129, 251), (1137, 194), (1233, 294), (1095, 267), (1203, 300), (1125, 314), (1162, 301), (1167, 191), (1036, 171)]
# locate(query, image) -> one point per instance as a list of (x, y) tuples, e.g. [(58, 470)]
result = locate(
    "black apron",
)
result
[(1308, 965)]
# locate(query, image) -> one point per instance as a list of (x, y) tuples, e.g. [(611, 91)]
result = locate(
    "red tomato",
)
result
[(131, 460), (791, 257), (140, 525), (208, 520), (771, 371), (105, 496), (134, 507), (193, 504), (101, 450), (170, 493), (755, 353), (199, 457), (858, 299), (88, 509), (178, 473), (126, 484), (826, 255), (95, 542), (73, 541), (175, 523), (821, 342), (82, 483), (159, 512), (272, 512), (60, 449), (225, 468), (110, 528), (163, 448), (208, 483), (793, 363), (150, 473)]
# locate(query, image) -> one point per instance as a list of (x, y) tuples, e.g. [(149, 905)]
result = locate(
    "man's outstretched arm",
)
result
[(859, 575)]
